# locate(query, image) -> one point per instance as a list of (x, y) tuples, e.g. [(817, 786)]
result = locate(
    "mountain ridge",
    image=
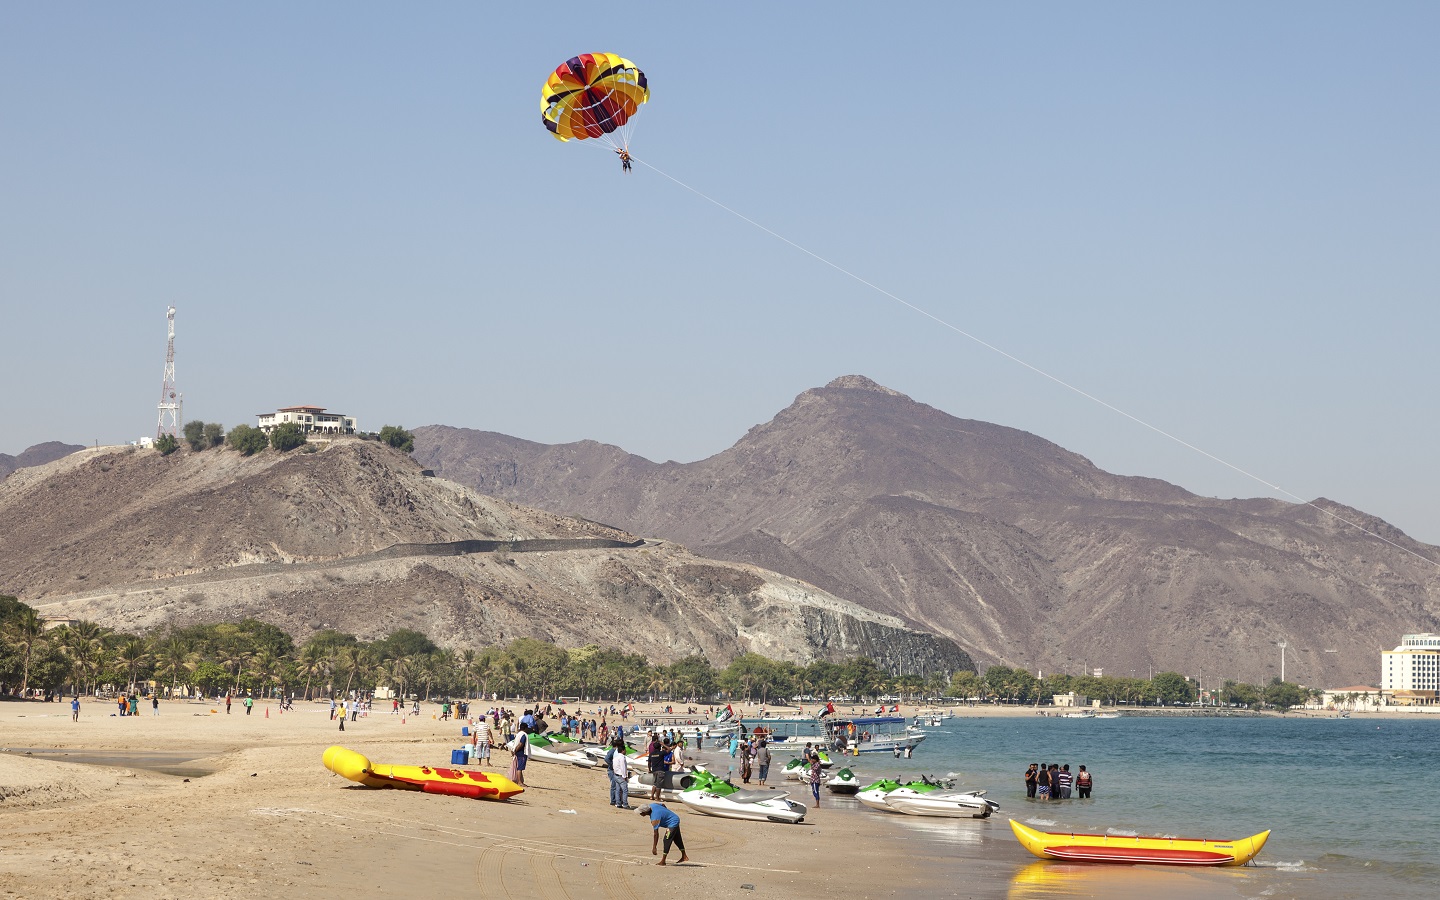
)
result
[(1021, 551)]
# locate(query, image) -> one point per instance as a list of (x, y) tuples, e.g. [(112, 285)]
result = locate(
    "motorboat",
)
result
[(843, 782), (1118, 848), (721, 798), (872, 734), (945, 804)]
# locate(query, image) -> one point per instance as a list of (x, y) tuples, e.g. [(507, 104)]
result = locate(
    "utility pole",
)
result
[(169, 398), (1282, 646)]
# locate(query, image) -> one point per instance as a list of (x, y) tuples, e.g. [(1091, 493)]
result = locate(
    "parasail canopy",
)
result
[(593, 95)]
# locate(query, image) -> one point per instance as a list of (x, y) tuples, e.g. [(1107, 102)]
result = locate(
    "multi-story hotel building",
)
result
[(1410, 674), (311, 419)]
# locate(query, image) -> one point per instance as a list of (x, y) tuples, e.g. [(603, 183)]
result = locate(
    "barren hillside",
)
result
[(358, 537)]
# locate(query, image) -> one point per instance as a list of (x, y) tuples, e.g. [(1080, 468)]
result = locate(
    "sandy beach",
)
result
[(216, 805)]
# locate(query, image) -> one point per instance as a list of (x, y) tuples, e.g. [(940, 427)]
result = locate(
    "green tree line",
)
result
[(1002, 684), (261, 658)]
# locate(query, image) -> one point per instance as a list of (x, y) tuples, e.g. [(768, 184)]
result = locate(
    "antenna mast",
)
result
[(169, 397)]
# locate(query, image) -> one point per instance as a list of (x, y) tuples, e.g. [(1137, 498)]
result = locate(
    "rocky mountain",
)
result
[(37, 455), (1020, 551), (357, 536)]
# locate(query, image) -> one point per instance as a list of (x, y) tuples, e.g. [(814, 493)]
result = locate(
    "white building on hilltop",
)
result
[(311, 419), (1410, 674)]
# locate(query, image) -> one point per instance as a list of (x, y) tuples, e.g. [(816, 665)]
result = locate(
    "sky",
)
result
[(1220, 218)]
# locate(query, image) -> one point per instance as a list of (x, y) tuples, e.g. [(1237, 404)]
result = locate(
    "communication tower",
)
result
[(169, 397)]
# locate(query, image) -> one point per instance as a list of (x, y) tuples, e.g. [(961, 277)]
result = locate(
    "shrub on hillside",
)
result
[(166, 444), (247, 440), (398, 438), (287, 436)]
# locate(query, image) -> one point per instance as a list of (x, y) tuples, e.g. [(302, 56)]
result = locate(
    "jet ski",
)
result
[(873, 795), (798, 769), (671, 783), (843, 782), (946, 804), (550, 749), (721, 798)]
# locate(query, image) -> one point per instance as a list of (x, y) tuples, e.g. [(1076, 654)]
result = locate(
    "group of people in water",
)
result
[(1052, 781)]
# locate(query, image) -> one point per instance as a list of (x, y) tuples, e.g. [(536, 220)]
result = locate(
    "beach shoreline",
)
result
[(269, 820)]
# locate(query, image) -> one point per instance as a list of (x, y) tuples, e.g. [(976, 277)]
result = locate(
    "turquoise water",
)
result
[(1346, 799)]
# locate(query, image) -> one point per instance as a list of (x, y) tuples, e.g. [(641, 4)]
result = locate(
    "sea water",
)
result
[(1347, 800)]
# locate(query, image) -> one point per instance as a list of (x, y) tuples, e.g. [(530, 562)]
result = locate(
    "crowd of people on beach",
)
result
[(1052, 781)]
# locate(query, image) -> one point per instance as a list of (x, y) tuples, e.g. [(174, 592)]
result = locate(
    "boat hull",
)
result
[(1132, 850)]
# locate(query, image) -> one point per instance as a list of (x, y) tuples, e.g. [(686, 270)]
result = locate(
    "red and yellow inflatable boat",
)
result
[(1115, 848), (431, 780)]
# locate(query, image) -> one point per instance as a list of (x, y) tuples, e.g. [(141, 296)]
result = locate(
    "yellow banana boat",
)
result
[(431, 780), (1125, 849)]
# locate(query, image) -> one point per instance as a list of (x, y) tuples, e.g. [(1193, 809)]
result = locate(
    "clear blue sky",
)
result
[(1220, 217)]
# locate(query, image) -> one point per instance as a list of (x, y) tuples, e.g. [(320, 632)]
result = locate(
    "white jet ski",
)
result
[(671, 785), (713, 797), (544, 749), (945, 804), (757, 806)]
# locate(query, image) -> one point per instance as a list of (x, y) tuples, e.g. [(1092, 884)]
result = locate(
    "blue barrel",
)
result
[(464, 730), (457, 757)]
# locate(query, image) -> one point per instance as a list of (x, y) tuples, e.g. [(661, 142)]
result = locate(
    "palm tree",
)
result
[(344, 661), (263, 666), (131, 654), (171, 654), (27, 630)]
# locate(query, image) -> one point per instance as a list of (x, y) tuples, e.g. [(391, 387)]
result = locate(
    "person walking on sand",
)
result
[(227, 703), (75, 709), (154, 704), (480, 735), (815, 776), (342, 715), (655, 763), (662, 817), (248, 704), (619, 765), (520, 748), (762, 760)]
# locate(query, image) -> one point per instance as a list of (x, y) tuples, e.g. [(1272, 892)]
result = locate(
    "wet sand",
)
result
[(270, 821)]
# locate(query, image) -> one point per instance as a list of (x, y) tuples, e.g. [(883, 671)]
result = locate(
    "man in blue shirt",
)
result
[(661, 817)]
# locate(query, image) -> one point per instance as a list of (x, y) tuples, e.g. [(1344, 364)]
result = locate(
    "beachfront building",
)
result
[(311, 419), (1410, 674), (1360, 698)]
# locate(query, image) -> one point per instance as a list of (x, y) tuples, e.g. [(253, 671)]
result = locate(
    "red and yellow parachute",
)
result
[(593, 95)]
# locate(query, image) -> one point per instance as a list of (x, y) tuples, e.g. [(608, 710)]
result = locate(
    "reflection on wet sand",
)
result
[(1044, 879)]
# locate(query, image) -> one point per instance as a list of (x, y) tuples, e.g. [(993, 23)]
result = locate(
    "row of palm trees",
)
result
[(258, 658)]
